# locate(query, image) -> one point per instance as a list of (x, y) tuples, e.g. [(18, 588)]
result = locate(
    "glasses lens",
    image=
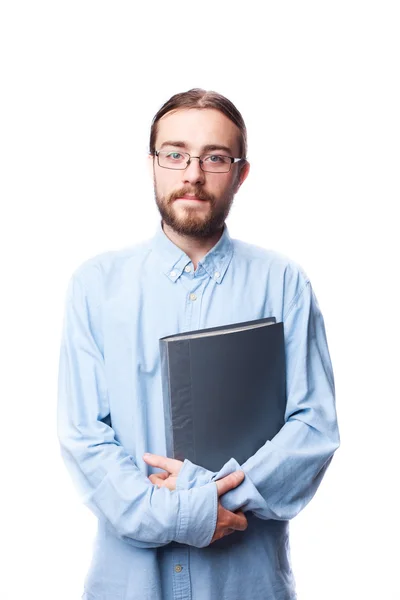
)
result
[(172, 160), (216, 163)]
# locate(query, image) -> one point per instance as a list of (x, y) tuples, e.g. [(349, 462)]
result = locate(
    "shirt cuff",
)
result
[(244, 497), (198, 508), (191, 475)]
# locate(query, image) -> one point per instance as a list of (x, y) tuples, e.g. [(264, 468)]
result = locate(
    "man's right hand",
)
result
[(227, 521)]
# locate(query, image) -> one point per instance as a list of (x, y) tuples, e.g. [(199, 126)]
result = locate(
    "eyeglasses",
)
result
[(210, 163)]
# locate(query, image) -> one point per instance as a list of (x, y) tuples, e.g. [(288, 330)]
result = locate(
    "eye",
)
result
[(216, 158), (174, 156)]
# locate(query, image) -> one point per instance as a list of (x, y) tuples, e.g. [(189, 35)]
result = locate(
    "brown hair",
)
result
[(198, 98)]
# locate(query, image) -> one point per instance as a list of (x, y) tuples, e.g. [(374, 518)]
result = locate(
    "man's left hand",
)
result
[(171, 467)]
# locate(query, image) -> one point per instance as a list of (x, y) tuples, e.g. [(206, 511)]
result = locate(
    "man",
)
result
[(183, 532)]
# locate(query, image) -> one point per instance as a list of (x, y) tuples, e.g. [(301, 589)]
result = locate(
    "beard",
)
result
[(191, 221)]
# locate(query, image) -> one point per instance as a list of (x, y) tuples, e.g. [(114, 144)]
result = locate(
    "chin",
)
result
[(192, 225), (190, 215)]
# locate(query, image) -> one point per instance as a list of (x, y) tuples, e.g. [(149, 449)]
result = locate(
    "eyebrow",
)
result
[(207, 148)]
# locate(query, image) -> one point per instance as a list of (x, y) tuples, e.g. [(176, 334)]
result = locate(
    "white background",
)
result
[(318, 86)]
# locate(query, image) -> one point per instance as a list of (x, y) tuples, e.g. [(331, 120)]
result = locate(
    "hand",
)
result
[(171, 467), (227, 521)]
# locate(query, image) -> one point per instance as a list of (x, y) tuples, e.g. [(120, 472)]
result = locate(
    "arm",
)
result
[(111, 484), (284, 474)]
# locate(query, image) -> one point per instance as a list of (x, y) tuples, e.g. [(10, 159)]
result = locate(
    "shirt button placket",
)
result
[(193, 304), (181, 579), (194, 301)]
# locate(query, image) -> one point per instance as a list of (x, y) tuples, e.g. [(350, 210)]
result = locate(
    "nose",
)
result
[(193, 173)]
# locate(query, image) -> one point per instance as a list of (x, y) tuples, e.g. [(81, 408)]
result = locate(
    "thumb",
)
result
[(229, 482)]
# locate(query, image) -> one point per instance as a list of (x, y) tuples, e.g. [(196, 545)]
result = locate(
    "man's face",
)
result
[(193, 202)]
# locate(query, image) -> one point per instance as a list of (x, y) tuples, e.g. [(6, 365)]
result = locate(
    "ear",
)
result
[(150, 165), (243, 173)]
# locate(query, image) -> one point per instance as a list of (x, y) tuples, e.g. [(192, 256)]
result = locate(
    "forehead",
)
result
[(198, 128)]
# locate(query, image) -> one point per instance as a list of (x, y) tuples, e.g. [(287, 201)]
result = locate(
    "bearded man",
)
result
[(170, 529)]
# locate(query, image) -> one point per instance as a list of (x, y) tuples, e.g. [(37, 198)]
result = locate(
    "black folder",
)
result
[(224, 391)]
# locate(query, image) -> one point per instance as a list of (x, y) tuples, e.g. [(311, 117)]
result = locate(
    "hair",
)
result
[(199, 98)]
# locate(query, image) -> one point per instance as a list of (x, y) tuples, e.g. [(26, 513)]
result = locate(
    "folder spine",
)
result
[(166, 394), (177, 399), (181, 387)]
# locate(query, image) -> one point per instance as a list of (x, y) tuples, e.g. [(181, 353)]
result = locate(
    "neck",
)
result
[(194, 247)]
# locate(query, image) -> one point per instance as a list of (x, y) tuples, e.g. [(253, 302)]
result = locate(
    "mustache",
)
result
[(201, 194)]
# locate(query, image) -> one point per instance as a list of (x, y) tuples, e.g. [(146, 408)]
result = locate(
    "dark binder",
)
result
[(224, 391)]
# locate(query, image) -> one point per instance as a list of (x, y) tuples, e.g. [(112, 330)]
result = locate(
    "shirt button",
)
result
[(173, 273), (178, 568), (193, 297), (216, 275), (188, 269)]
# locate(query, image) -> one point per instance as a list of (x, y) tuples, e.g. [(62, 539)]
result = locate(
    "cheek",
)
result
[(165, 182), (226, 187)]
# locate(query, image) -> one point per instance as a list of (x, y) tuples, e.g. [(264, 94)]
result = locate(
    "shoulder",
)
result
[(280, 268), (108, 265)]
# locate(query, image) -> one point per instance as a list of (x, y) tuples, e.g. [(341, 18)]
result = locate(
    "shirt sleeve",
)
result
[(284, 474), (106, 476)]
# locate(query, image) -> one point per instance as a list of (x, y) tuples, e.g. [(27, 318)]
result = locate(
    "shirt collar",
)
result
[(174, 260)]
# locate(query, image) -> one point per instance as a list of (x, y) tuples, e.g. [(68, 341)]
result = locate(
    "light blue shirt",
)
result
[(153, 543)]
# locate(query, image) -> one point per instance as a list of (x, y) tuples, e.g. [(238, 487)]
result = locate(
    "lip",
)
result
[(192, 198)]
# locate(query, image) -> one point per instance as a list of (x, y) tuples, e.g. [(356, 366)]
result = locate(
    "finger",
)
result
[(168, 483), (221, 533), (161, 475), (239, 522), (217, 536), (161, 482), (168, 464), (233, 520), (157, 477), (229, 482)]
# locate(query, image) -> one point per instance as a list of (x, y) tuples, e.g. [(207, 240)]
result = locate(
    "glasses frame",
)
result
[(232, 159)]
